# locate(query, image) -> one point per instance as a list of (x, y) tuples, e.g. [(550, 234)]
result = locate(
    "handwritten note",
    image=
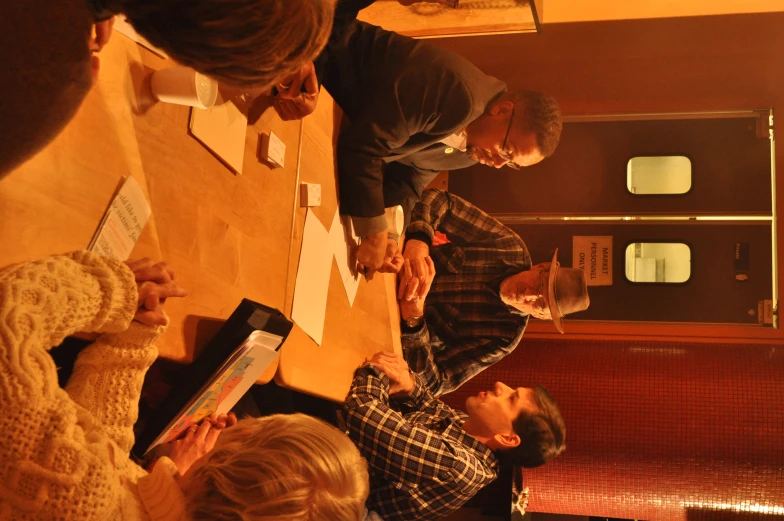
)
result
[(123, 222)]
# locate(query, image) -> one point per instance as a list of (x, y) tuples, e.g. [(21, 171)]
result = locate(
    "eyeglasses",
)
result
[(505, 154)]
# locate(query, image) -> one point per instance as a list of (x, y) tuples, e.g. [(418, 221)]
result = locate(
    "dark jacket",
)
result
[(402, 97)]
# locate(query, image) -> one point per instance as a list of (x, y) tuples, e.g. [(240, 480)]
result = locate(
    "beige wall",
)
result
[(557, 11)]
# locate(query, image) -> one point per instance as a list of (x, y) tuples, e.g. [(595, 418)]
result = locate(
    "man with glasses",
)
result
[(415, 110), (464, 305)]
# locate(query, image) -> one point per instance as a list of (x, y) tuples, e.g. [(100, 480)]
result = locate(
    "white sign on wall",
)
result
[(593, 253)]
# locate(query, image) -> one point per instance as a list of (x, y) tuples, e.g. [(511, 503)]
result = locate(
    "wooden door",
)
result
[(587, 173), (724, 218), (712, 292)]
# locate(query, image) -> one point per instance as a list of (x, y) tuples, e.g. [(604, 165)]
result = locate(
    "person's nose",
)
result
[(532, 296), (500, 389), (496, 157)]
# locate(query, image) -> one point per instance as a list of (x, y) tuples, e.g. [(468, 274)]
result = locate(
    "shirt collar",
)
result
[(160, 493), (482, 451), (458, 140)]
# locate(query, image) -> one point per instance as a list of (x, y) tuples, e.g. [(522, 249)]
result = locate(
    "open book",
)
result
[(123, 222), (229, 383)]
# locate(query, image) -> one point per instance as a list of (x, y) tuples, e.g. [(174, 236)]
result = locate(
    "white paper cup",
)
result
[(184, 86), (394, 215)]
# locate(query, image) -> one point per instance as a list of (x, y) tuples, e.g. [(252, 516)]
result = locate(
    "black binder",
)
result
[(249, 316)]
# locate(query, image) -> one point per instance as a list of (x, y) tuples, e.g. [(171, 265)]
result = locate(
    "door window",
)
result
[(658, 175), (668, 262)]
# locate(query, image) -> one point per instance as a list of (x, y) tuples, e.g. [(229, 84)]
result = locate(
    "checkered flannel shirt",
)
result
[(422, 464), (467, 327)]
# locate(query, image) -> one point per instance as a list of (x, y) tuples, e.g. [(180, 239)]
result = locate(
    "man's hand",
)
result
[(412, 308), (199, 440), (401, 383), (393, 260), (154, 284), (371, 252), (418, 271), (297, 94)]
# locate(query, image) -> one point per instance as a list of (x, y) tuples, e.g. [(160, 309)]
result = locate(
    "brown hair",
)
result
[(283, 468), (541, 116), (542, 434), (45, 67), (44, 73), (242, 42)]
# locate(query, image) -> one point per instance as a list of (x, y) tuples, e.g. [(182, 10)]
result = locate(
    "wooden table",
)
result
[(351, 334), (226, 236)]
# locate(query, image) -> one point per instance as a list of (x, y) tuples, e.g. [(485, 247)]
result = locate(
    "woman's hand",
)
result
[(154, 283), (199, 440)]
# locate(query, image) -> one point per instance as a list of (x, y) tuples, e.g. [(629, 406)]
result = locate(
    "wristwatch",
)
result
[(413, 322)]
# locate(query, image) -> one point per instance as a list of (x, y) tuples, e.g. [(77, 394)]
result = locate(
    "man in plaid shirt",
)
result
[(427, 459), (464, 306)]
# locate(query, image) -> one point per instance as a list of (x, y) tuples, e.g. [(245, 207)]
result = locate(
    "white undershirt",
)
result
[(457, 140)]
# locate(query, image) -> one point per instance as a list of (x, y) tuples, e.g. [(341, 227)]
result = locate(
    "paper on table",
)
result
[(123, 222), (312, 285), (122, 26), (222, 130), (342, 241)]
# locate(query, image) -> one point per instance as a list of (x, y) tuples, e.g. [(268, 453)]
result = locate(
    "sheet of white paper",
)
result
[(310, 291), (123, 222), (122, 26), (222, 129), (342, 240)]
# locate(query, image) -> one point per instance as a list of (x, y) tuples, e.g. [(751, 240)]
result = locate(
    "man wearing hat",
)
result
[(464, 305)]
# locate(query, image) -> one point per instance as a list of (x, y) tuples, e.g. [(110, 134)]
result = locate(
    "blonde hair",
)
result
[(242, 42), (283, 468)]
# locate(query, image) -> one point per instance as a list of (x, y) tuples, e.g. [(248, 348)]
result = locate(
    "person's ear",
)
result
[(507, 440), (500, 108)]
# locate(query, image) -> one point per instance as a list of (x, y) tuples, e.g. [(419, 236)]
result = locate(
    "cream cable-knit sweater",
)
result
[(64, 454)]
